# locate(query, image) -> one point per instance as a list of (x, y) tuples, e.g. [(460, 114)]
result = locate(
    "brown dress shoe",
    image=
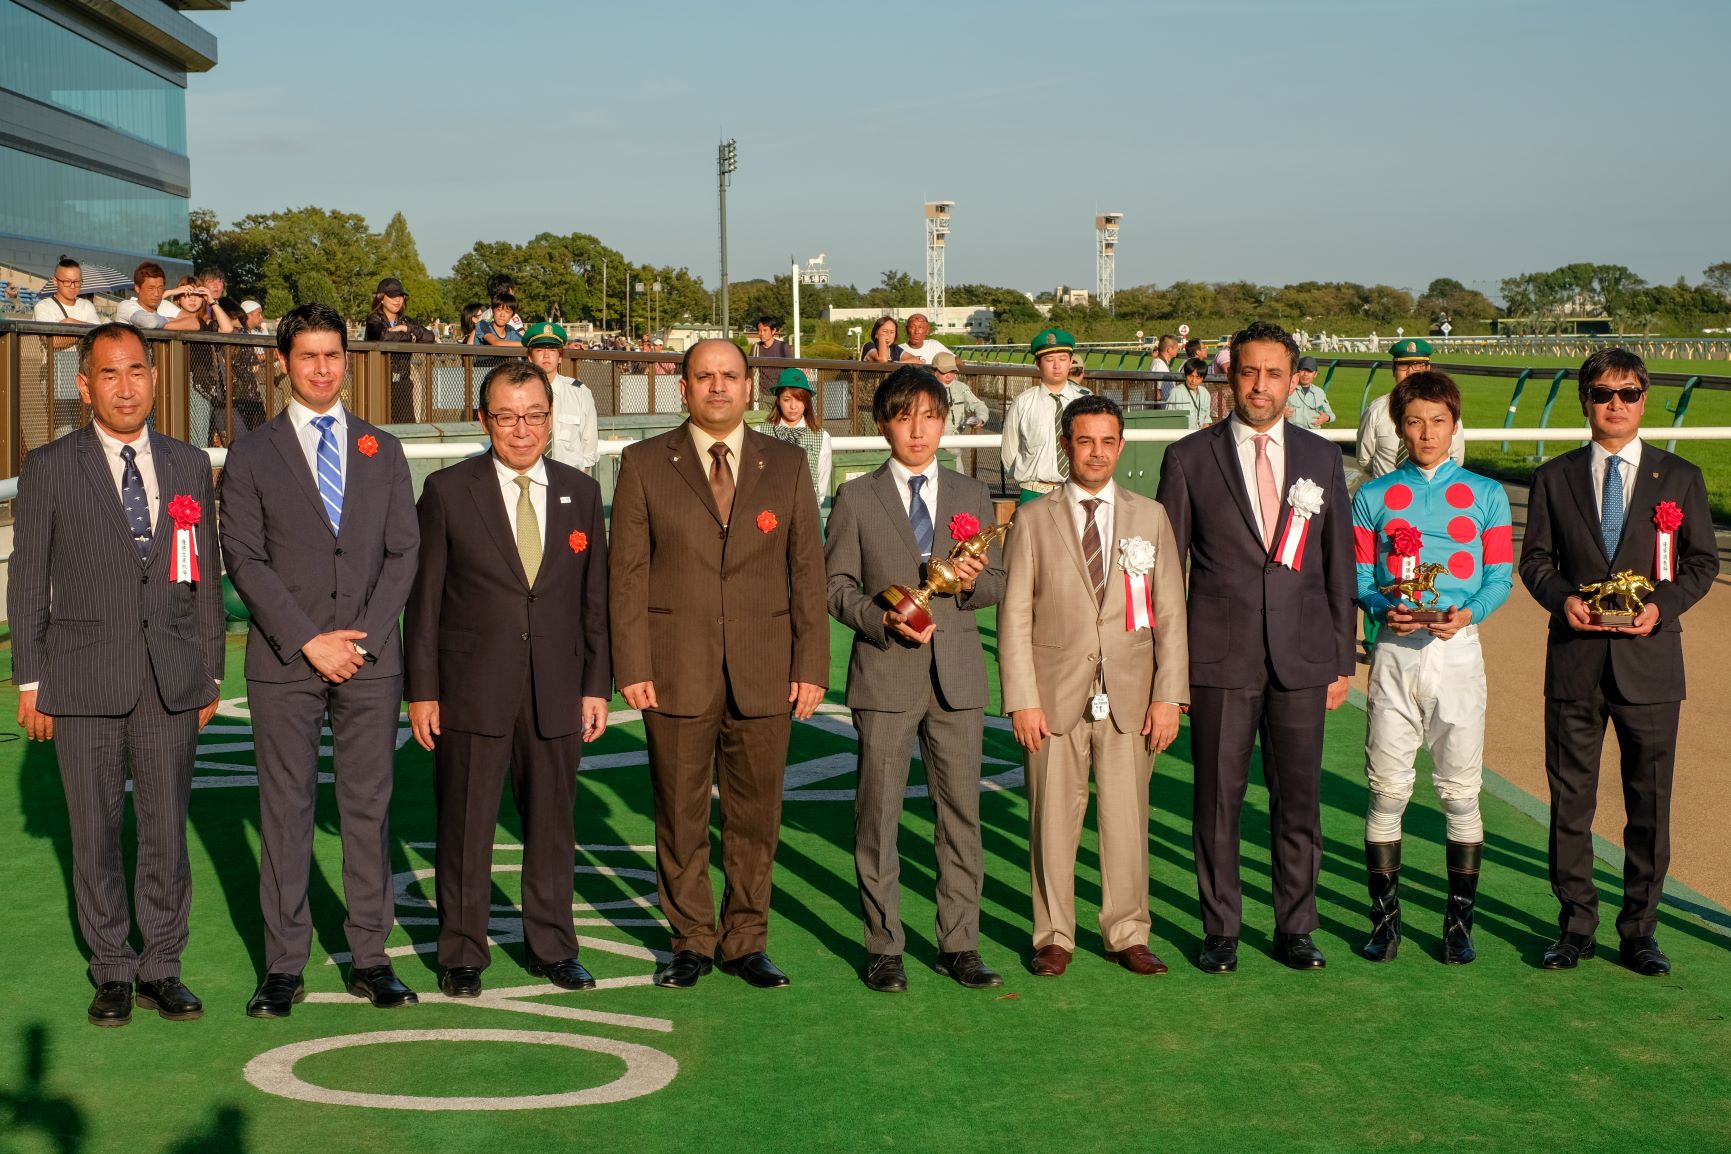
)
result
[(1050, 962), (1138, 960)]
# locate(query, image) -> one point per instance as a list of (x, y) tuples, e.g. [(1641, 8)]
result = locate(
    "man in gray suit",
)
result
[(320, 536), (904, 683), (115, 603)]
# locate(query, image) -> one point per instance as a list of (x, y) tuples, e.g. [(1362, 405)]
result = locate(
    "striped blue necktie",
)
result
[(330, 472), (920, 516), (1611, 507)]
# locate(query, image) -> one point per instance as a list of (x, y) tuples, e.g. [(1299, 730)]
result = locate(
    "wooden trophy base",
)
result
[(901, 599), (1426, 616), (1611, 619)]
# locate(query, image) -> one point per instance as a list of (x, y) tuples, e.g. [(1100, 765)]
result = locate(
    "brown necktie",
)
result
[(1092, 550), (721, 481)]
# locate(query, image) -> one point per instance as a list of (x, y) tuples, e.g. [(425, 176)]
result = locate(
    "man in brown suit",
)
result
[(719, 635), (1093, 647)]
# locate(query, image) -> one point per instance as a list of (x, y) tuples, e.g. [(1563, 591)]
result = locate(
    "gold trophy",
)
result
[(1418, 589), (941, 578), (1626, 588)]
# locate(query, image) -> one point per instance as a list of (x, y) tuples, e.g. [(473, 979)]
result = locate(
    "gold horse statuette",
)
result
[(1626, 588), (1415, 589)]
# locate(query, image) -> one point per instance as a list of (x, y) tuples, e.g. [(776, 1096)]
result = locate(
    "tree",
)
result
[(309, 248), (399, 257), (896, 289), (1717, 278)]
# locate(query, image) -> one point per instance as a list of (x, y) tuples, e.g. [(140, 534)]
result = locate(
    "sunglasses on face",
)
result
[(1629, 395)]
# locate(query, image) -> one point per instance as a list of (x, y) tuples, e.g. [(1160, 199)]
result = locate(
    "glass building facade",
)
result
[(49, 199)]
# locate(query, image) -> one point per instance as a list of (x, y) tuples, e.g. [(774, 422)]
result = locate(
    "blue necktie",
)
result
[(133, 500), (920, 516), (1611, 507), (330, 472)]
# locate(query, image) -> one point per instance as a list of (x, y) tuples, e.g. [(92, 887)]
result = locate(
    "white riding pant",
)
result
[(1427, 692)]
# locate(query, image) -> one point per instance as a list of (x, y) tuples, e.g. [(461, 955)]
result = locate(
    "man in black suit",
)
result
[(117, 654), (508, 670), (319, 533), (1260, 507), (1616, 504)]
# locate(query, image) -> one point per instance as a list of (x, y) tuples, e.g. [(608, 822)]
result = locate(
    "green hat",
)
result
[(791, 379), (1410, 349), (1051, 341), (544, 335)]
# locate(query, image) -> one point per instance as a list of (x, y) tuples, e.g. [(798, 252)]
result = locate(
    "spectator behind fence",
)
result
[(919, 348), (576, 429), (768, 344), (65, 306), (795, 419), (502, 282), (1165, 352), (150, 283), (253, 376), (882, 347), (1308, 406), (1195, 349), (389, 321), (467, 321), (208, 394), (503, 327), (1191, 396), (968, 414)]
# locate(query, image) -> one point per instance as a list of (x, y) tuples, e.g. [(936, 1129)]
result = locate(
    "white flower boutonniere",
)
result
[(1136, 558), (1305, 497), (1135, 555)]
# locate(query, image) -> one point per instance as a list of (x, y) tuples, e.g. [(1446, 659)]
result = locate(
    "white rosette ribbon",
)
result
[(1136, 558), (1305, 500)]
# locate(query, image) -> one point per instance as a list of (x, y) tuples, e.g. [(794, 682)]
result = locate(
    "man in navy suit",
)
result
[(1615, 505), (1260, 508)]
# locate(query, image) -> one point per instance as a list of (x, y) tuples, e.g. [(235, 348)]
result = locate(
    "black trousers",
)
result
[(1574, 745)]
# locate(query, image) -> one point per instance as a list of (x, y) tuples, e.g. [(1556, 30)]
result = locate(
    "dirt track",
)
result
[(1514, 645)]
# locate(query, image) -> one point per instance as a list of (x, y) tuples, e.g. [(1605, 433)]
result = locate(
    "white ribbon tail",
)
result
[(185, 557), (1408, 568), (1665, 567), (1291, 550), (1137, 613)]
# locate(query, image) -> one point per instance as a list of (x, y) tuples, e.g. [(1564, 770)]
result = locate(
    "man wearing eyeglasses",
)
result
[(1613, 506), (508, 672)]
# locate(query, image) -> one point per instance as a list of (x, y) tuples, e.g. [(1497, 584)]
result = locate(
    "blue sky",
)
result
[(1371, 140)]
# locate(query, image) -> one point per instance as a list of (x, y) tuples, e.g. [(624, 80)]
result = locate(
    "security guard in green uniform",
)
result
[(1030, 453)]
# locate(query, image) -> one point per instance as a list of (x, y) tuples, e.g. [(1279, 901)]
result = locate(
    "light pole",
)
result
[(639, 288), (858, 335), (726, 163), (655, 308), (814, 272)]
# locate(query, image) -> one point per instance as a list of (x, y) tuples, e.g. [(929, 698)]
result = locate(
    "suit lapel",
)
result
[(1058, 508), (95, 464), (750, 473), (1226, 456), (490, 506), (288, 446), (682, 458), (1582, 488), (885, 486), (556, 546), (168, 486)]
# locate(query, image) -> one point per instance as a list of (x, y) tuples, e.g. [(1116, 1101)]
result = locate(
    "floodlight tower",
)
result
[(937, 233), (1106, 257)]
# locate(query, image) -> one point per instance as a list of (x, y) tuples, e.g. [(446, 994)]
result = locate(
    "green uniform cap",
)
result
[(791, 379), (1410, 349), (1051, 341), (545, 334)]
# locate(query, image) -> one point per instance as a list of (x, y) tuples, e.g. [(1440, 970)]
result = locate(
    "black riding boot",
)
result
[(1463, 863), (1382, 860)]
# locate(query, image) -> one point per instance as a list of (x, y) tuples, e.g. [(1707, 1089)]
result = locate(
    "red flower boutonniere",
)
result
[(368, 445), (1407, 541), (964, 526), (579, 540), (185, 512), (766, 521), (1668, 517)]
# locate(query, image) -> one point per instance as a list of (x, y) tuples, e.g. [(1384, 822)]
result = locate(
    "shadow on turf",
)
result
[(31, 1107), (226, 1134)]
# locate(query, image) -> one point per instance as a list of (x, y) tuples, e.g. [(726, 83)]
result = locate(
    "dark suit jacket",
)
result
[(869, 546), (90, 621), (299, 579), (691, 600), (1305, 617), (1562, 549), (475, 625)]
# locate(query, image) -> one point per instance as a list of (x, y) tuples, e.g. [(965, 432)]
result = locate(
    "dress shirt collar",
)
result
[(508, 476), (112, 445), (1629, 454), (301, 416), (1242, 433), (901, 473), (1108, 493), (735, 442)]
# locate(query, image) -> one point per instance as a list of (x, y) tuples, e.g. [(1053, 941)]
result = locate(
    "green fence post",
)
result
[(1329, 376), (1681, 409), (1364, 398), (1551, 399), (1515, 402)]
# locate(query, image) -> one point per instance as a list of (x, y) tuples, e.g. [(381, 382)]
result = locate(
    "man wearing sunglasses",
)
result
[(1616, 504)]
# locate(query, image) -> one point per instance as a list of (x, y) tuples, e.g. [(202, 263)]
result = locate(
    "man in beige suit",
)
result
[(1093, 647), (720, 635)]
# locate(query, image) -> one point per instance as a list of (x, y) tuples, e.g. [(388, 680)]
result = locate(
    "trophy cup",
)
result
[(941, 578), (1625, 588), (1409, 595)]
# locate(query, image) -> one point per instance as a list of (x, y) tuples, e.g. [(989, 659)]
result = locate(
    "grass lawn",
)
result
[(1410, 1056)]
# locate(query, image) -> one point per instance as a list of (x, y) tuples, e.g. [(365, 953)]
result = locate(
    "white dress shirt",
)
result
[(301, 419), (1030, 446), (1102, 515), (735, 442), (1244, 436), (537, 474), (928, 492), (111, 447), (1630, 456)]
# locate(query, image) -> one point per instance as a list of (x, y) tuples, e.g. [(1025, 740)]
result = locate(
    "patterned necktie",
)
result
[(1611, 507), (528, 530), (330, 472), (1092, 551), (721, 481), (1057, 434), (920, 516), (1266, 494), (133, 500)]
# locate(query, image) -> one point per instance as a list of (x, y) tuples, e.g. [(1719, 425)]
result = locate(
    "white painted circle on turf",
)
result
[(646, 1071)]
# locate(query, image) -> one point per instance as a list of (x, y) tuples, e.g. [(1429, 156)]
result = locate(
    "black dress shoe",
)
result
[(1644, 956), (968, 970), (460, 982), (1219, 954), (1568, 951), (112, 1005), (1298, 952), (276, 996), (757, 970), (567, 974), (171, 999), (682, 970), (381, 986), (884, 973)]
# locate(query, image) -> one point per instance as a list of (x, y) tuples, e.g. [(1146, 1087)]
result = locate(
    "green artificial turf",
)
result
[(1410, 1056)]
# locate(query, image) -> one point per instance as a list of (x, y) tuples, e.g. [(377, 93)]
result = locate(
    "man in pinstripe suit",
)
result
[(117, 663), (320, 536)]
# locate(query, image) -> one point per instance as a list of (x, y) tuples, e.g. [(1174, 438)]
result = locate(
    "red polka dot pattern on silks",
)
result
[(1459, 495), (1461, 565), (1462, 529), (1397, 497)]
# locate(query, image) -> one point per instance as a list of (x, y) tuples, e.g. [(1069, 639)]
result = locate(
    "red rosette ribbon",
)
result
[(1668, 518), (368, 445), (964, 526), (766, 521), (185, 512), (1407, 541), (579, 540)]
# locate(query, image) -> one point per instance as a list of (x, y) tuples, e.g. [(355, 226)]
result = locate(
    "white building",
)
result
[(973, 320)]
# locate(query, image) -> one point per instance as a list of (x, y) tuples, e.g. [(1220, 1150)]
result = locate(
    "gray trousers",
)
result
[(950, 747), (95, 754), (286, 720)]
